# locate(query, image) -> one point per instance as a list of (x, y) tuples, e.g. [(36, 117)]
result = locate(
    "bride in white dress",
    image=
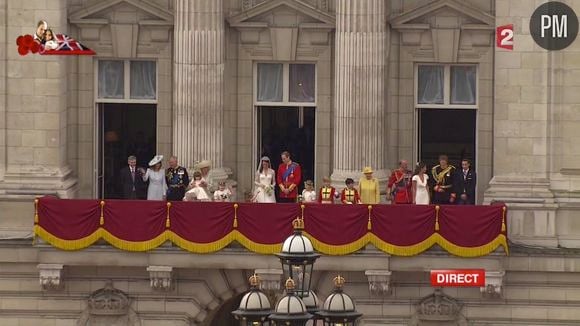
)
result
[(265, 183), (420, 188)]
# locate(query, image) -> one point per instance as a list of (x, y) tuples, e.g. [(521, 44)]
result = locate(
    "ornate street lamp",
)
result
[(339, 309), (290, 310), (297, 259), (312, 305), (254, 308)]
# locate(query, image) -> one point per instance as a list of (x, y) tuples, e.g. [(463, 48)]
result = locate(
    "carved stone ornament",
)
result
[(160, 277), (50, 276), (108, 301), (379, 281), (493, 284), (438, 307), (270, 279), (108, 306)]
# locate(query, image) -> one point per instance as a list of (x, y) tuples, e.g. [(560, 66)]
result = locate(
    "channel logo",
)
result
[(458, 278)]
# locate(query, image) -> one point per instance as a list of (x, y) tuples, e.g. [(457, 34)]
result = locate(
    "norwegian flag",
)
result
[(68, 46)]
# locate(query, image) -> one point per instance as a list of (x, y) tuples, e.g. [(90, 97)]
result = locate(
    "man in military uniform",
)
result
[(443, 177), (177, 180), (288, 178), (399, 186)]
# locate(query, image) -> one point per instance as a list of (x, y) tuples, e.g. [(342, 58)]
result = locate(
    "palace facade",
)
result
[(341, 84)]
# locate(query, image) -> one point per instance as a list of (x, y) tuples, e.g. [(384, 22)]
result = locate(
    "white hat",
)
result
[(155, 160), (203, 164)]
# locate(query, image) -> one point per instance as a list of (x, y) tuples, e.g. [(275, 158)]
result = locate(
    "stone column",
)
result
[(34, 151), (360, 99), (199, 62)]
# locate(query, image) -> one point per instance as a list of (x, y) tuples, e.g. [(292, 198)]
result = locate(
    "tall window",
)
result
[(446, 86), (446, 103), (284, 83), (127, 81)]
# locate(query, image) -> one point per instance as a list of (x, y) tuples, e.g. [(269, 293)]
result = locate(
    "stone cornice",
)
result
[(241, 19), (98, 6), (486, 20)]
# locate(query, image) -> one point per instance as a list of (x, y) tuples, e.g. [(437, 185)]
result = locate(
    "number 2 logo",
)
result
[(505, 37)]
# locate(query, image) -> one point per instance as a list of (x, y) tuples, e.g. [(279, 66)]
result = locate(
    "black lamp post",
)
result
[(297, 259), (300, 304), (290, 310), (254, 307), (339, 308)]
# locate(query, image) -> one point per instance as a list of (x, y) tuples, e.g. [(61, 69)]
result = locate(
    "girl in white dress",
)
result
[(223, 194), (308, 194), (197, 192), (420, 188), (156, 176), (265, 183)]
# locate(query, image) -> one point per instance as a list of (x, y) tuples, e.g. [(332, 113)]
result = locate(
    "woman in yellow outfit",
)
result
[(369, 188)]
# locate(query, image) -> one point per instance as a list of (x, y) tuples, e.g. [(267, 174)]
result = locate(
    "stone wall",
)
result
[(538, 288), (534, 153)]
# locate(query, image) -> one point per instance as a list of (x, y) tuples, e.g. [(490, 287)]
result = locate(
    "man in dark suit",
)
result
[(132, 180), (465, 182)]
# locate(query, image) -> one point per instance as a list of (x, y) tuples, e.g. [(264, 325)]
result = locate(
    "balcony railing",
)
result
[(199, 227)]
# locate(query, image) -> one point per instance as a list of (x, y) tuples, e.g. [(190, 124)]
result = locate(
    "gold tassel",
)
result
[(503, 227), (302, 206), (102, 219), (167, 222), (36, 211), (235, 215), (437, 218), (369, 225)]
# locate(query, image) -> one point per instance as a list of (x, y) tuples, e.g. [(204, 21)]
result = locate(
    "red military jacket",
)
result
[(326, 195), (400, 183), (350, 196), (289, 175)]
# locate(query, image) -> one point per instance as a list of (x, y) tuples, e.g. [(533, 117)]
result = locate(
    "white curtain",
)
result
[(143, 80), (430, 88), (463, 79), (270, 85), (302, 82), (111, 79)]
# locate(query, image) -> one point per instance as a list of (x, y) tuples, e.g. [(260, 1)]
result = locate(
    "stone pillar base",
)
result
[(30, 184), (532, 209)]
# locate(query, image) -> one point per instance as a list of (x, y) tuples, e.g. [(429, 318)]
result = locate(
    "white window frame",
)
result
[(126, 83), (446, 88), (285, 85)]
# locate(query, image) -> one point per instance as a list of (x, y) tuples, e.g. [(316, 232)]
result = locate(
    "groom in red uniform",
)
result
[(288, 178)]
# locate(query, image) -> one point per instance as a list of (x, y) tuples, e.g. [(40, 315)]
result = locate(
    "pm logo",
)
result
[(554, 25), (505, 37)]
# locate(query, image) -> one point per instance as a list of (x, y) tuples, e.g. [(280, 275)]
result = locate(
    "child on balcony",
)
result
[(197, 192), (349, 194), (308, 194), (223, 194)]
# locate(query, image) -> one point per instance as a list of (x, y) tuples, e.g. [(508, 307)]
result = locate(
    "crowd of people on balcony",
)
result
[(445, 184)]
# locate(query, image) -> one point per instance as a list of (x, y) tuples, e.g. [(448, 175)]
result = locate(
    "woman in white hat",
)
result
[(156, 176)]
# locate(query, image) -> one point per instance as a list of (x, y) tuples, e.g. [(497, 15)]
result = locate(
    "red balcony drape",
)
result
[(406, 230)]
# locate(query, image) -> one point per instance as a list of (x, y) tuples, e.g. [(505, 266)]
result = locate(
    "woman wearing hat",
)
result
[(157, 186), (265, 182), (369, 188)]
